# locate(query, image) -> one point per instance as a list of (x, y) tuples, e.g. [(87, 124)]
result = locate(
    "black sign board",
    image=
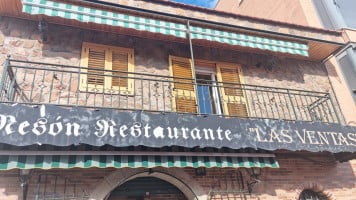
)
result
[(47, 124)]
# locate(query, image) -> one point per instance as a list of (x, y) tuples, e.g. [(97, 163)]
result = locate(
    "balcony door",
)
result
[(218, 88), (207, 92)]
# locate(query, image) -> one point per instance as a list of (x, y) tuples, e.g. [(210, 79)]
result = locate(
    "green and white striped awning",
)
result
[(120, 161), (86, 14), (249, 41)]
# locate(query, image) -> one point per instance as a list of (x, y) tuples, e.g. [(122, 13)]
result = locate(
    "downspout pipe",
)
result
[(191, 51), (193, 61)]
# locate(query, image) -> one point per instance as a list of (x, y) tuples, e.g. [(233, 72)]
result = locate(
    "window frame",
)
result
[(216, 67), (212, 72), (107, 87)]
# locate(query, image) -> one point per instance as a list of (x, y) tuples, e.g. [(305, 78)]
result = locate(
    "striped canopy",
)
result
[(249, 41), (131, 161), (86, 14), (93, 15)]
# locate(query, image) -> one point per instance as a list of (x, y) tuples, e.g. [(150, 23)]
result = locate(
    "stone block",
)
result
[(36, 36), (36, 53), (2, 38), (28, 44), (15, 33), (16, 43), (54, 97), (4, 51), (67, 95), (74, 86)]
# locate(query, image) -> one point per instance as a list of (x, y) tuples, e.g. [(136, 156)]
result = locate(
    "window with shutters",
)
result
[(106, 69), (217, 89)]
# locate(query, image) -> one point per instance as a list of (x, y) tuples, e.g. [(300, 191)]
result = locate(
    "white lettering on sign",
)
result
[(126, 129), (108, 127)]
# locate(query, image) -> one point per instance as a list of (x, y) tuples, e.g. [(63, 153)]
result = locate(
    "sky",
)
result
[(201, 3)]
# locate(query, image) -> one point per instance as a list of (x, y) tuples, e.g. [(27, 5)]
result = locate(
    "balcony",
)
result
[(36, 83)]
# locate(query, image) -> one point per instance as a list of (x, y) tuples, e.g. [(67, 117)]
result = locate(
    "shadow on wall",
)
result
[(273, 71), (22, 41)]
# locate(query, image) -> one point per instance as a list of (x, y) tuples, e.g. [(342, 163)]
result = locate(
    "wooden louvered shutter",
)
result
[(122, 68), (96, 66), (229, 77), (94, 61), (184, 95), (106, 69)]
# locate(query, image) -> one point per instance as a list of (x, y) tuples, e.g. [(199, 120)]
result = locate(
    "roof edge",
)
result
[(182, 17), (211, 11)]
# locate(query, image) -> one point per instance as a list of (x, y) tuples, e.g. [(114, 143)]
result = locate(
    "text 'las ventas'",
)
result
[(304, 136)]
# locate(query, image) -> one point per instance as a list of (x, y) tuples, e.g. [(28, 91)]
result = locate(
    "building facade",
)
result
[(136, 99), (329, 14), (338, 15)]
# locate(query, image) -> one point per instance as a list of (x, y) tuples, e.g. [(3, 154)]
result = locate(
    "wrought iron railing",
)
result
[(42, 83), (56, 187), (229, 185)]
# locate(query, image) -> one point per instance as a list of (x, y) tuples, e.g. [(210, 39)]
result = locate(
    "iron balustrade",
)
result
[(43, 83), (57, 187)]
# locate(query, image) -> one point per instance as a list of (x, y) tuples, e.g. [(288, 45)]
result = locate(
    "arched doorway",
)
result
[(309, 194), (176, 176), (146, 188)]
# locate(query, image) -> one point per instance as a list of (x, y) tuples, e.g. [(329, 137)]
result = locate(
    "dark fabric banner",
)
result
[(22, 125)]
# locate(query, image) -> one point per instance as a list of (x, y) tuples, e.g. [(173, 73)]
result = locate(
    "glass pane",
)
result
[(204, 99), (205, 95)]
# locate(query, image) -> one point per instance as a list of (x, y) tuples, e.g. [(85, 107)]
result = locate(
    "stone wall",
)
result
[(21, 40), (58, 84)]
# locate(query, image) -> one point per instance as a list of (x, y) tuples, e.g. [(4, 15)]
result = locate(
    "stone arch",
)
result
[(314, 187), (176, 176)]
